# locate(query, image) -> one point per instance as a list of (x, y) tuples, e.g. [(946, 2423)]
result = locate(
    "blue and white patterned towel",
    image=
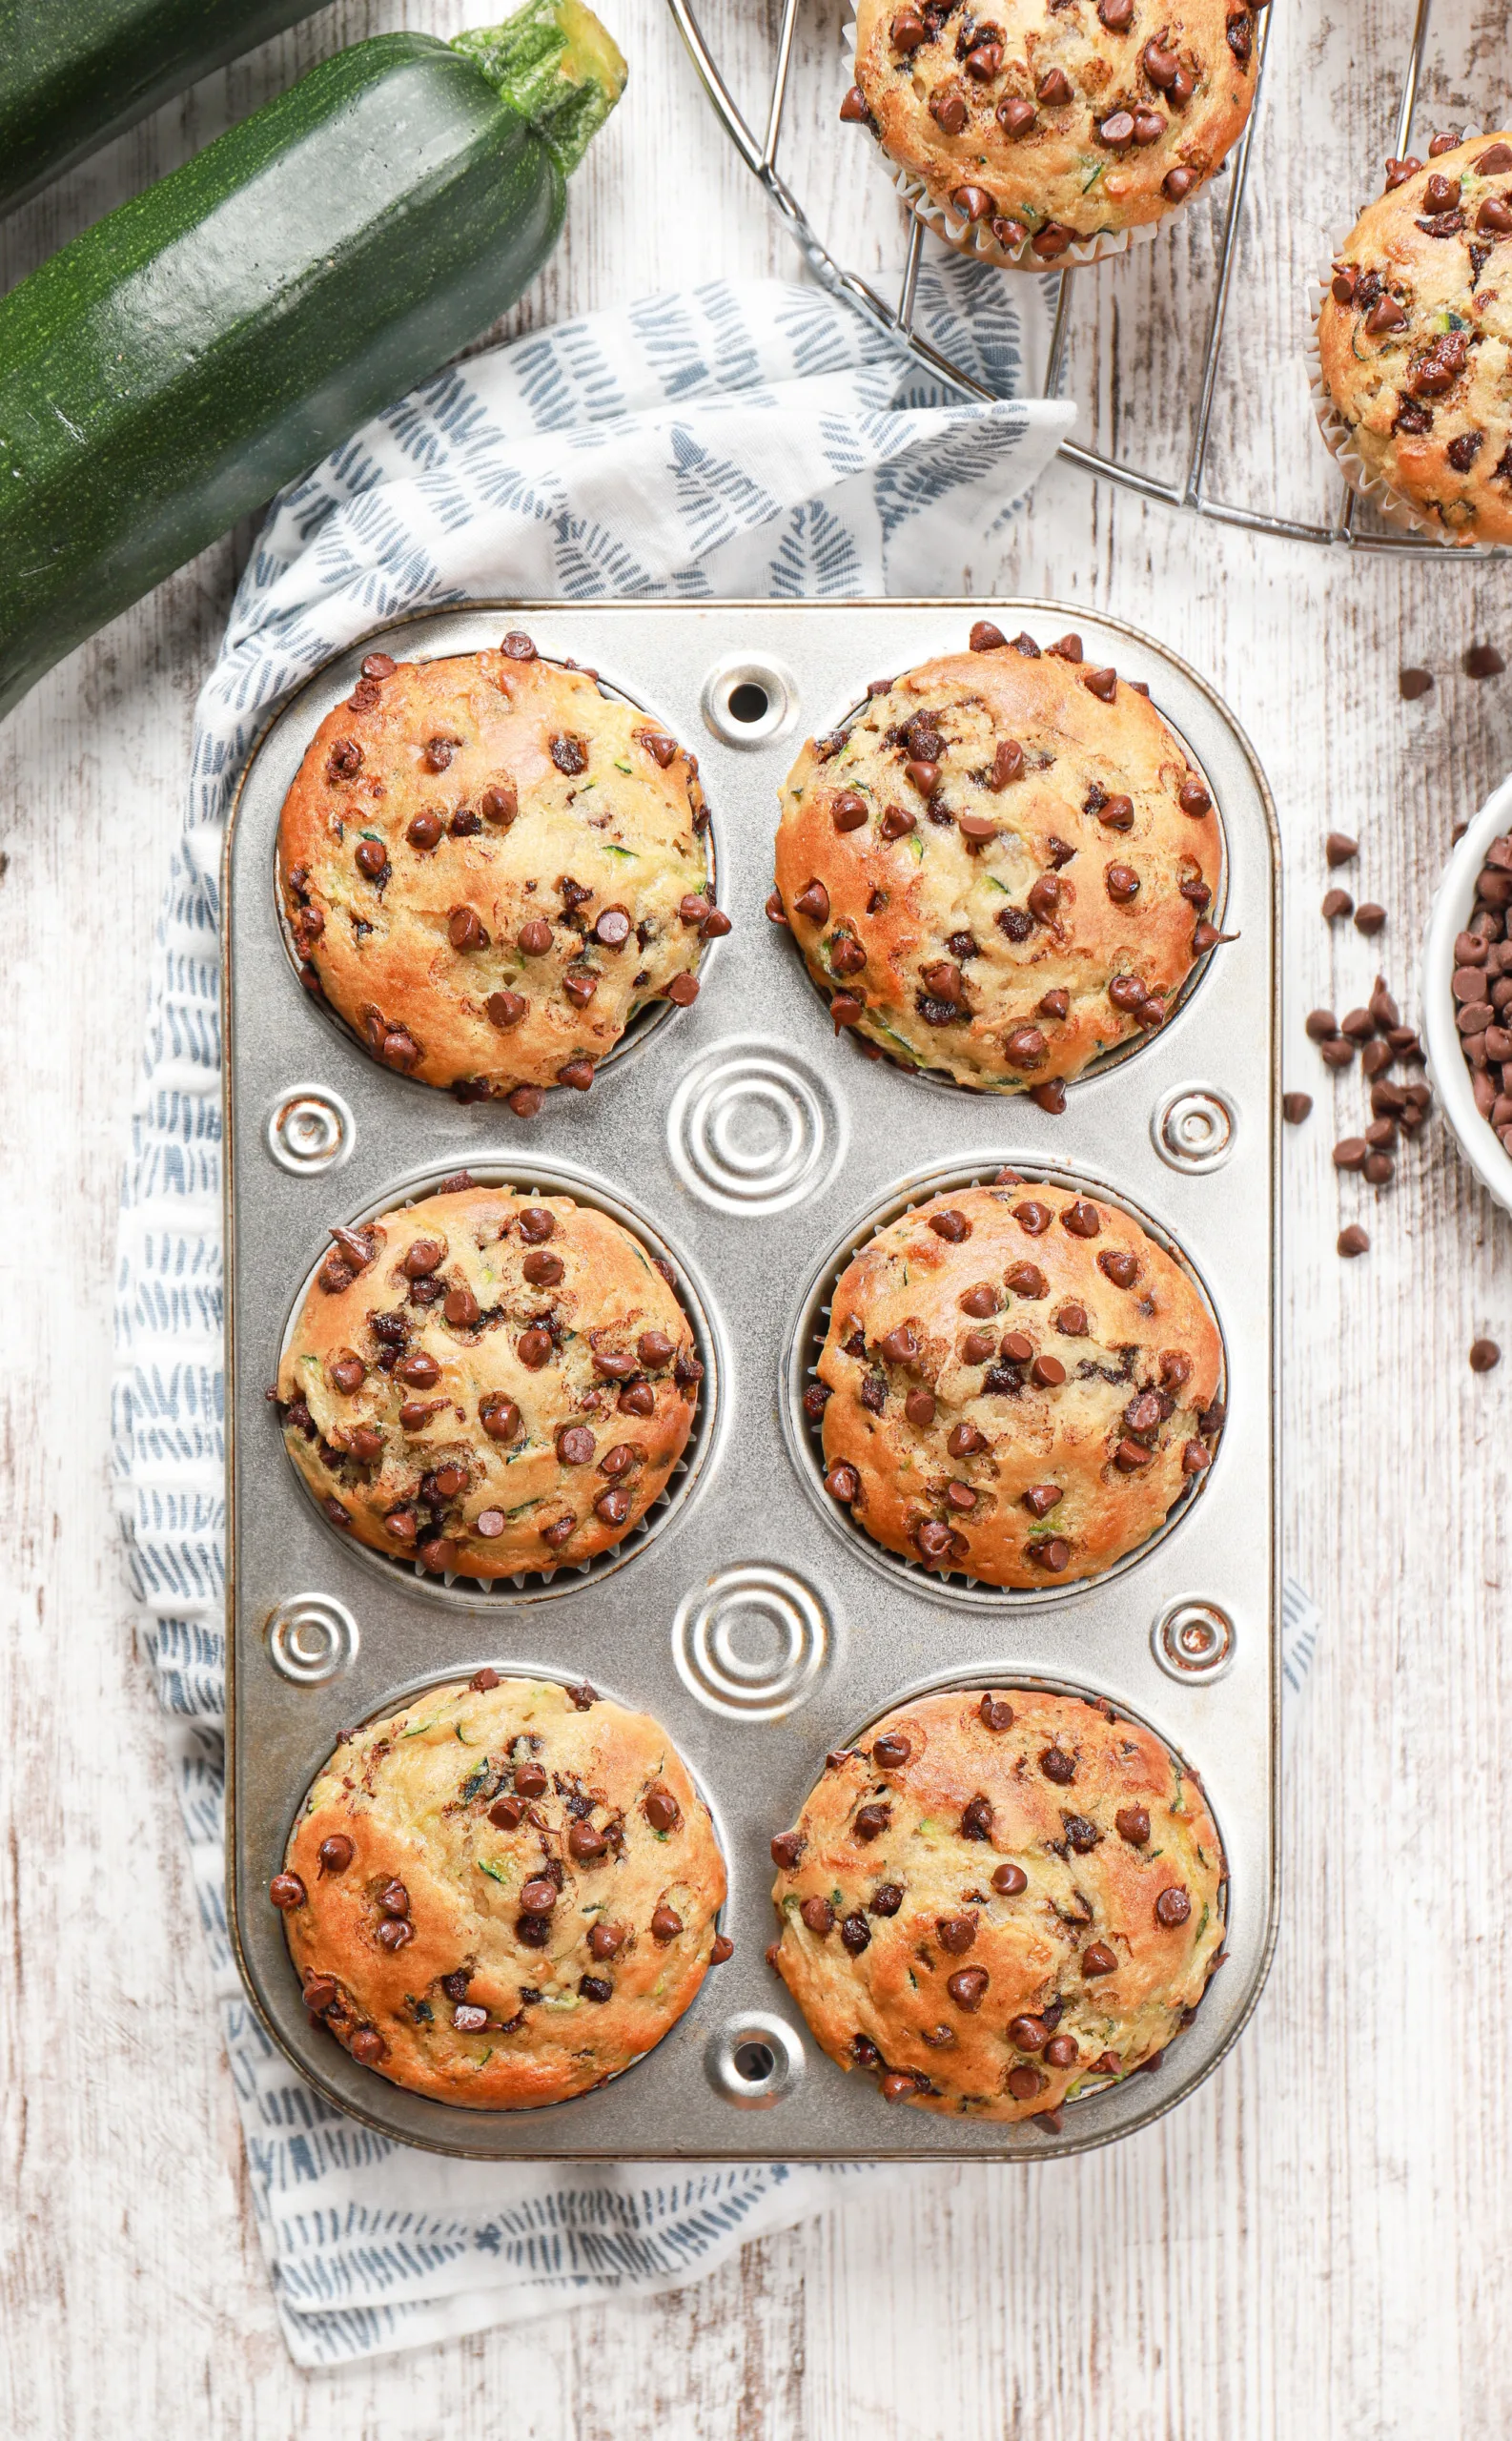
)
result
[(734, 441)]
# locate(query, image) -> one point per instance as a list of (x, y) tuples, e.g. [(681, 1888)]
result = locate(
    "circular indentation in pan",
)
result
[(312, 1637), (1120, 1053), (1193, 1639), (806, 1342), (310, 1129), (751, 1643), (651, 1015), (1193, 1128), (533, 1178), (754, 2060), (750, 698), (753, 1128)]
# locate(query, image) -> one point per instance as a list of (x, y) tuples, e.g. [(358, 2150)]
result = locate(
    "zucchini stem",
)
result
[(556, 66)]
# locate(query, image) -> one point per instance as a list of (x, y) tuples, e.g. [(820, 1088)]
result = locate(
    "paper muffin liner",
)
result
[(975, 238), (1339, 437)]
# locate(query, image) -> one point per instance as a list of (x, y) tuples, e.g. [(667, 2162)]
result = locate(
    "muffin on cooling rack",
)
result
[(1029, 127), (998, 1899), (504, 1893), (1412, 340), (1002, 866), (487, 868), (1017, 1385), (489, 1383)]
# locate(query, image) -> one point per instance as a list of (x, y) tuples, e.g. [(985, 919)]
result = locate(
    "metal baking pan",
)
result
[(744, 1141)]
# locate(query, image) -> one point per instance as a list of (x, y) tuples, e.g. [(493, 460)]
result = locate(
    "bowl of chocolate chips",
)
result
[(1468, 993)]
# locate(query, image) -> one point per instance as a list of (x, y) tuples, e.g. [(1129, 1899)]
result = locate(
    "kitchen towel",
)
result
[(739, 440)]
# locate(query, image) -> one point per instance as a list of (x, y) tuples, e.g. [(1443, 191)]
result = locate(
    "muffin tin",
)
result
[(754, 1148)]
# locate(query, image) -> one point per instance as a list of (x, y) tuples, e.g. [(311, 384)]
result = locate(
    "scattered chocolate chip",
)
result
[(1353, 1241), (1336, 903), (1485, 1353), (1370, 918), (1483, 661)]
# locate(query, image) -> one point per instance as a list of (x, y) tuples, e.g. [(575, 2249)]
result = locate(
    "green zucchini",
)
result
[(214, 338), (76, 72)]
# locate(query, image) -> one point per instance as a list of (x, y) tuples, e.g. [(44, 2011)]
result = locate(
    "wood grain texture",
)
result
[(1318, 2244)]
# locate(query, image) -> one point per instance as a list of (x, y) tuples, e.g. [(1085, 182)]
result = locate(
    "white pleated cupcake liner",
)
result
[(1339, 437)]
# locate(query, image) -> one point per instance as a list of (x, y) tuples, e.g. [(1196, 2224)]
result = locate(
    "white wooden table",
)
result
[(1318, 2243)]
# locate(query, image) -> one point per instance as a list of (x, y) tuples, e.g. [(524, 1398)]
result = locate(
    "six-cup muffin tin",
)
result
[(756, 1150)]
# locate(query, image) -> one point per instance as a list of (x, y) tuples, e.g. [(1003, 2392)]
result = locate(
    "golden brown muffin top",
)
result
[(487, 867), (503, 1894), (503, 1385), (999, 1898), (1020, 1381), (1002, 866), (1051, 121), (1414, 338)]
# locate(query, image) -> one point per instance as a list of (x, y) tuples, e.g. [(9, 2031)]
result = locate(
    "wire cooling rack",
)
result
[(1191, 487)]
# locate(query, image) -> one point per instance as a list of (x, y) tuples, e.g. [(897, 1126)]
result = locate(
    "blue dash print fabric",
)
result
[(744, 441)]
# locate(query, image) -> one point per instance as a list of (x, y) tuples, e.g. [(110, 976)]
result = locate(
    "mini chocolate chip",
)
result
[(819, 1915), (1336, 903), (287, 1890), (1096, 1959), (1369, 918), (871, 1820), (1057, 1765), (1010, 1880), (1132, 1823), (976, 1818), (995, 1713), (890, 1752), (1483, 661), (1353, 1241), (967, 1986), (336, 1852), (1173, 1907)]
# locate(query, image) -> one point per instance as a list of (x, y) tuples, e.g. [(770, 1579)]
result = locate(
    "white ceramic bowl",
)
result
[(1452, 906)]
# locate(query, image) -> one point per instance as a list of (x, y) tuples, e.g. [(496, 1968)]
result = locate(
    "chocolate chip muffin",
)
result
[(487, 868), (1415, 340), (1035, 126), (1001, 866), (504, 1893), (1016, 1383), (999, 1899), (489, 1383)]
